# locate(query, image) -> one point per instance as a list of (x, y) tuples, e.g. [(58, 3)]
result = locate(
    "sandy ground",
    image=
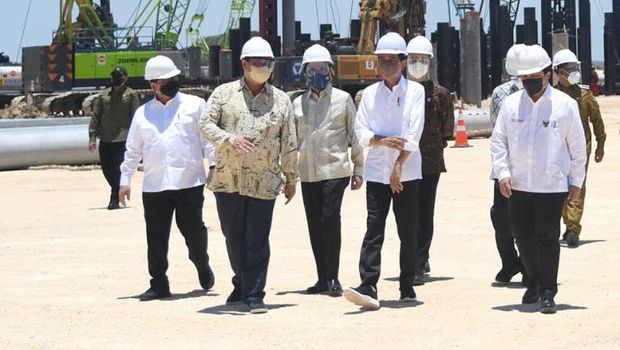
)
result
[(71, 271)]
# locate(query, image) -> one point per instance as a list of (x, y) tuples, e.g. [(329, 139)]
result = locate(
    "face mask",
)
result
[(318, 81), (518, 83), (574, 77), (388, 69), (259, 75), (170, 89), (117, 80), (417, 70), (533, 86)]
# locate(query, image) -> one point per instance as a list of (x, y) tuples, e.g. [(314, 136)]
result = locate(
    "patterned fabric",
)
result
[(498, 96), (325, 129), (589, 112), (112, 113), (268, 120), (438, 127)]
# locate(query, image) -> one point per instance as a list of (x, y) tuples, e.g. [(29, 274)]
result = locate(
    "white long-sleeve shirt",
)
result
[(167, 139), (540, 145), (396, 112)]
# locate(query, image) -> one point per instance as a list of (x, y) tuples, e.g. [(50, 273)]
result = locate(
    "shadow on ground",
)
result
[(388, 304), (532, 308), (238, 309), (196, 293)]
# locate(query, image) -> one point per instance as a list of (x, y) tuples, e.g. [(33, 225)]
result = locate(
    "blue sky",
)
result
[(44, 14)]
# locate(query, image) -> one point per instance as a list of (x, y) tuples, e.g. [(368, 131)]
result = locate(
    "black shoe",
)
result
[(407, 295), (155, 293), (334, 289), (505, 275), (427, 267), (572, 239), (207, 279), (113, 204), (547, 304), (363, 295), (257, 307), (319, 287), (234, 298), (419, 279), (531, 296)]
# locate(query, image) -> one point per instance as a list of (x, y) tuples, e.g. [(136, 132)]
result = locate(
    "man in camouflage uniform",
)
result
[(252, 125), (438, 127), (566, 67), (113, 110)]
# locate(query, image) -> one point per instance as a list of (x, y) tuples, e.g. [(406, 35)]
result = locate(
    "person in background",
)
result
[(438, 128), (325, 123), (567, 68), (504, 238), (113, 110), (164, 134)]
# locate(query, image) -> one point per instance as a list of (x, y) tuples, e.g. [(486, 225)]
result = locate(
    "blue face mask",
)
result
[(318, 81)]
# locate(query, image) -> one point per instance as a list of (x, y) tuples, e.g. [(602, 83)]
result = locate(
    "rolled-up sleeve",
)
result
[(362, 129), (133, 153), (288, 146), (499, 147), (416, 120), (576, 141)]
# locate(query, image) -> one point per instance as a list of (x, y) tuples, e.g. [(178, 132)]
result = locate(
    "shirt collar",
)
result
[(326, 92), (267, 89), (401, 85), (170, 102)]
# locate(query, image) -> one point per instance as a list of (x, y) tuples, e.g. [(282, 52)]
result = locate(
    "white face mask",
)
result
[(574, 77), (259, 75), (417, 70)]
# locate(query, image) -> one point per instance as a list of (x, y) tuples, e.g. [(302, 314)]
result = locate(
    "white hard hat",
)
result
[(391, 44), (533, 59), (512, 59), (317, 53), (564, 56), (160, 67), (256, 47), (420, 45)]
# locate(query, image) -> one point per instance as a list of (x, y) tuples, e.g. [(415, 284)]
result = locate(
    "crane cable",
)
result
[(21, 38)]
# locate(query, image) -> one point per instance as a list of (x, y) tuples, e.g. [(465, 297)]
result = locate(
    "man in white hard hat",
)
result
[(438, 128), (165, 135), (389, 122), (504, 239), (325, 122), (567, 68), (252, 125), (538, 149)]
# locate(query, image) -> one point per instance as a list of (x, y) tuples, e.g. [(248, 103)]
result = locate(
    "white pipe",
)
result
[(54, 145)]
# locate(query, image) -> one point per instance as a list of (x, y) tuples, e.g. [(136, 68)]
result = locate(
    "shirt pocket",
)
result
[(181, 144)]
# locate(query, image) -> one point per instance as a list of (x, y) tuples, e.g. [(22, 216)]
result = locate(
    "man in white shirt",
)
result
[(165, 134), (390, 121), (538, 149), (325, 123)]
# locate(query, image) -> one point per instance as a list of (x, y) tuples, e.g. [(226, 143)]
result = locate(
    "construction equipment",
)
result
[(238, 9)]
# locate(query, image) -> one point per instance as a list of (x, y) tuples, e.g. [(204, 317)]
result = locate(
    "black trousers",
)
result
[(378, 199), (426, 215), (246, 224), (504, 238), (186, 204), (111, 155), (535, 220), (322, 202)]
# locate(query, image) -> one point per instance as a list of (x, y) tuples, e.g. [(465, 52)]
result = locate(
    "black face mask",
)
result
[(170, 89), (117, 80), (532, 86)]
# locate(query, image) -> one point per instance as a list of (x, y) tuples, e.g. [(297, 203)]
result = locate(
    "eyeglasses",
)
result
[(312, 71), (260, 62), (418, 60)]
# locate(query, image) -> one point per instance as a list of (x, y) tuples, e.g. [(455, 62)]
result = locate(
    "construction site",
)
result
[(73, 270)]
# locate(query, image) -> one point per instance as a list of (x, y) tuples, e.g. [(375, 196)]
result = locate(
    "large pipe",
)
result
[(288, 27), (54, 145), (28, 123)]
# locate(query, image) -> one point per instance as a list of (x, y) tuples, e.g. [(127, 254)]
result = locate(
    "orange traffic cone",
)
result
[(461, 132)]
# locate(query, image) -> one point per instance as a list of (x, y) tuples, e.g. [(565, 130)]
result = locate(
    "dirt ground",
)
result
[(71, 271)]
